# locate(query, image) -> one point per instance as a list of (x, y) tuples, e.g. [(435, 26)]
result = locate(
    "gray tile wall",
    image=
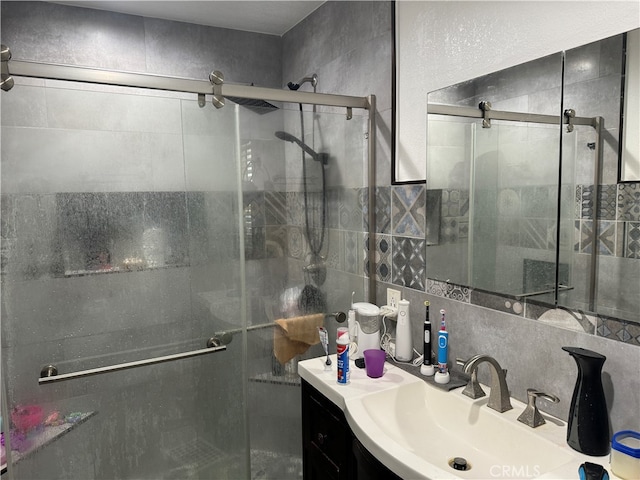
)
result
[(529, 348), (348, 44), (41, 32), (51, 194)]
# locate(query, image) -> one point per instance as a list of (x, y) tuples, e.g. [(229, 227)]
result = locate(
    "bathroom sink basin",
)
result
[(417, 429)]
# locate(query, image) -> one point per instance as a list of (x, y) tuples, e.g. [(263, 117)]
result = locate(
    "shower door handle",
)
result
[(49, 373)]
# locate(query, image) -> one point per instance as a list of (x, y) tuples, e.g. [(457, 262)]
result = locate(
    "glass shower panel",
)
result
[(574, 288), (116, 215), (449, 166), (282, 281), (514, 205)]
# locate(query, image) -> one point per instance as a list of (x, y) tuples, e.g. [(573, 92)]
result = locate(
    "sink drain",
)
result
[(459, 463)]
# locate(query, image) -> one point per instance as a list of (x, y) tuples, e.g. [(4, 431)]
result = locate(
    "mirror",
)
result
[(511, 183), (630, 146)]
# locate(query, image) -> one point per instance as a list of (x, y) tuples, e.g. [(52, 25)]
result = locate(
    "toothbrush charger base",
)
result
[(427, 370)]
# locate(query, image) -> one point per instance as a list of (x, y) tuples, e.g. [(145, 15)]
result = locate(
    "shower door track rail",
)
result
[(51, 371), (473, 112), (569, 119), (49, 71)]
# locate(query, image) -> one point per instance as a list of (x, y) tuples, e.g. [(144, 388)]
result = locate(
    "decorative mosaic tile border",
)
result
[(408, 204), (606, 327), (275, 208), (383, 209), (619, 330), (631, 240), (409, 262), (383, 257), (353, 253), (448, 290), (350, 214), (629, 202)]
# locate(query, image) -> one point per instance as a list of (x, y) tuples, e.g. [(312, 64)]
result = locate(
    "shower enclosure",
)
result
[(149, 241), (519, 162)]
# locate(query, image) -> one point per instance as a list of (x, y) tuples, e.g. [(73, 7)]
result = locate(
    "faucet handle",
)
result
[(473, 388), (531, 415)]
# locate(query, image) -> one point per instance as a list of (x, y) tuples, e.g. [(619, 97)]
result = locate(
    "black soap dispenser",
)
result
[(588, 424)]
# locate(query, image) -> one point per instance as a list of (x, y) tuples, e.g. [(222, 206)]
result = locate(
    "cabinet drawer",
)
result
[(325, 428)]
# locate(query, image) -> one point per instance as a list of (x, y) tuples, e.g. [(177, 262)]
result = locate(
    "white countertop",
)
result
[(324, 379)]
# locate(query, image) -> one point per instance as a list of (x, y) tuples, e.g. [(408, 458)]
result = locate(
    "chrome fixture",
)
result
[(339, 316), (7, 80), (473, 388), (531, 415), (485, 107), (49, 373), (318, 157), (570, 114), (225, 337), (485, 112), (499, 397), (316, 270), (312, 79), (217, 79)]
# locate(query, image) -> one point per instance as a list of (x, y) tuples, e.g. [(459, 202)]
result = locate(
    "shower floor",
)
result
[(202, 460), (267, 465)]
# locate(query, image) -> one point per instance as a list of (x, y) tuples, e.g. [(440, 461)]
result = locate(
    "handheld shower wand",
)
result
[(319, 157)]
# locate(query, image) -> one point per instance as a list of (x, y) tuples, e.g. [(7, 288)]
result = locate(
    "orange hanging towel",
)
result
[(293, 336)]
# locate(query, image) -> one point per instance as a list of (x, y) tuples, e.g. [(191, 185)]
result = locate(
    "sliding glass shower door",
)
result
[(497, 206), (121, 243), (513, 209)]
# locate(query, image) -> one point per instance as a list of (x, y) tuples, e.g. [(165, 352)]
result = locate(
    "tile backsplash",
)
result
[(401, 255)]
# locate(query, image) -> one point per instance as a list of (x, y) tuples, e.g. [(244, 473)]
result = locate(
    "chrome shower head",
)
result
[(313, 80)]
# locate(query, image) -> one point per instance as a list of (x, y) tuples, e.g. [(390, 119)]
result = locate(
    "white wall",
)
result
[(442, 43)]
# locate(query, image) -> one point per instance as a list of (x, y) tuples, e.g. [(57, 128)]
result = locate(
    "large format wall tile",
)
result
[(194, 51), (48, 161), (40, 31), (82, 110)]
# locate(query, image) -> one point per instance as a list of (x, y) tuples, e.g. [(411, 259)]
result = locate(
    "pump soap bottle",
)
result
[(588, 423)]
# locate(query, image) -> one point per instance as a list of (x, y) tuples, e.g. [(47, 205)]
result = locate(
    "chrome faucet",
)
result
[(531, 415), (499, 397)]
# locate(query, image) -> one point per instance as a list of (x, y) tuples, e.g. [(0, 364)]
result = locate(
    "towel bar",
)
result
[(49, 372)]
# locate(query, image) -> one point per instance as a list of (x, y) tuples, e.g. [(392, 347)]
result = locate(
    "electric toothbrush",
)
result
[(427, 368), (442, 375)]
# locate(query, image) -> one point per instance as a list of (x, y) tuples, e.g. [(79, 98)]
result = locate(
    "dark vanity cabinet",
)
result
[(329, 448)]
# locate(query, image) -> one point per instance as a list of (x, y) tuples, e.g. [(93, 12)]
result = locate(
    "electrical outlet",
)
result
[(393, 297)]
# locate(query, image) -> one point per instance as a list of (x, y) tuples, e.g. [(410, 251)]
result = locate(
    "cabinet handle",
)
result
[(322, 438)]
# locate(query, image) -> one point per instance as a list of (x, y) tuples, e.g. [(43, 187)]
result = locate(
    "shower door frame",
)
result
[(483, 112), (216, 88)]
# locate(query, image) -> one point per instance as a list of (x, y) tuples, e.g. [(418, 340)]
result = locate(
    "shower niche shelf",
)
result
[(44, 437), (289, 380), (105, 271)]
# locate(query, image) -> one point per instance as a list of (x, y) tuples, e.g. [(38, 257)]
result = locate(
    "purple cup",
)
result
[(374, 362)]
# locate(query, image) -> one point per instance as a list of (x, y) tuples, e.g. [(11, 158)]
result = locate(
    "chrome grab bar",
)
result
[(49, 373)]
